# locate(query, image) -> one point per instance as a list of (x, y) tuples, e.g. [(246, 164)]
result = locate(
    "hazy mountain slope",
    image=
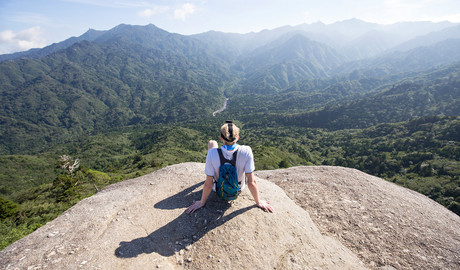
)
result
[(419, 59), (430, 39), (243, 45), (227, 46), (369, 45), (358, 39), (410, 30), (279, 64)]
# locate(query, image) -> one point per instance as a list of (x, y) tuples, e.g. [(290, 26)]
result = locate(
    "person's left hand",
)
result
[(265, 206), (195, 206)]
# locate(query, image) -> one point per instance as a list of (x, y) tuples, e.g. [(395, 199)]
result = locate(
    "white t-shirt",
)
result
[(244, 162)]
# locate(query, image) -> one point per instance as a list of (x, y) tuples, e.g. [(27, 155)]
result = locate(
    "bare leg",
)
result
[(212, 144)]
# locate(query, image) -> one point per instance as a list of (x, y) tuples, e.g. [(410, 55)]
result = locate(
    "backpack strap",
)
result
[(223, 160)]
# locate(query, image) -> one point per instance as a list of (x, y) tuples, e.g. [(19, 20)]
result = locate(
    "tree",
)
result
[(67, 184), (7, 208)]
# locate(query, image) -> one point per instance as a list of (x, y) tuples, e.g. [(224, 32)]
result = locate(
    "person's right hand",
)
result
[(195, 206), (265, 206)]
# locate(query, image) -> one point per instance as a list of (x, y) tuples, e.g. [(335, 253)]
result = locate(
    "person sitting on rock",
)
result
[(244, 167)]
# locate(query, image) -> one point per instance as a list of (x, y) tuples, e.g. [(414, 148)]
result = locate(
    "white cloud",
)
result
[(6, 36), (21, 41), (184, 11), (153, 11)]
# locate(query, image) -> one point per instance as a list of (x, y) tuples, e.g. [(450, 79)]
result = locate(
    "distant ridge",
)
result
[(89, 35), (430, 38), (338, 34)]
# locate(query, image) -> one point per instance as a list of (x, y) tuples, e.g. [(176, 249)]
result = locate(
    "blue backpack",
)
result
[(227, 186)]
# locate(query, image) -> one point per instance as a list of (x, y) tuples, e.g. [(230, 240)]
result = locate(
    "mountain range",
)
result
[(128, 101), (143, 75)]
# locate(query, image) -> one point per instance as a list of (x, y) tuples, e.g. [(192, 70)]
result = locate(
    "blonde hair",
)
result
[(225, 134)]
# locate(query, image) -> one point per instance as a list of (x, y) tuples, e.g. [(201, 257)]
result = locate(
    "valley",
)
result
[(221, 109)]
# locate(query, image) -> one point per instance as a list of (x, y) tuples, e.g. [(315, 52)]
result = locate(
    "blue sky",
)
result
[(26, 24)]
